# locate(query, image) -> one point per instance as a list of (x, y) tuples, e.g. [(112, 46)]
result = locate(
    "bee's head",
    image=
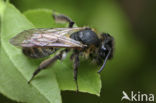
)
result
[(107, 44), (106, 48)]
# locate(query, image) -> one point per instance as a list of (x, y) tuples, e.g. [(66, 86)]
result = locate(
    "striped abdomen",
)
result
[(38, 52)]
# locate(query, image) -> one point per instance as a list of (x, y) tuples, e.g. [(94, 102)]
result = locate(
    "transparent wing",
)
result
[(57, 37)]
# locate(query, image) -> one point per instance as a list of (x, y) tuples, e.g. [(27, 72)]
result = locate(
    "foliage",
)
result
[(16, 69), (105, 16)]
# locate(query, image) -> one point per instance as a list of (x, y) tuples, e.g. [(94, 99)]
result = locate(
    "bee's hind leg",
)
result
[(63, 18), (44, 64)]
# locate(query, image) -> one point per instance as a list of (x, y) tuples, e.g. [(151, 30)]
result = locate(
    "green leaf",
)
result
[(42, 18), (88, 78), (16, 69)]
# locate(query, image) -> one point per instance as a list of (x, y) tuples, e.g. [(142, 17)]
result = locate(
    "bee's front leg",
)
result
[(44, 64)]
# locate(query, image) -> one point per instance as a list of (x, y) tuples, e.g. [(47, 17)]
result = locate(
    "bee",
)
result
[(82, 41)]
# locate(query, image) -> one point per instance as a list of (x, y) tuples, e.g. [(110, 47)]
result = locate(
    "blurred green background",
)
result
[(132, 23)]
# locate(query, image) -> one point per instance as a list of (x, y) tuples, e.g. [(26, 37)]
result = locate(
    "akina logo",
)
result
[(138, 96)]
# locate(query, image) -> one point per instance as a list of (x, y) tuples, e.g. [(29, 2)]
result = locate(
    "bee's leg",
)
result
[(76, 63), (48, 62), (63, 18)]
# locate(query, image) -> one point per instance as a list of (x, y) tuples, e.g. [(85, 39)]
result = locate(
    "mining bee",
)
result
[(82, 41)]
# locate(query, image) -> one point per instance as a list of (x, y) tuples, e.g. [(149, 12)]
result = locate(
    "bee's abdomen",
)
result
[(38, 52)]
